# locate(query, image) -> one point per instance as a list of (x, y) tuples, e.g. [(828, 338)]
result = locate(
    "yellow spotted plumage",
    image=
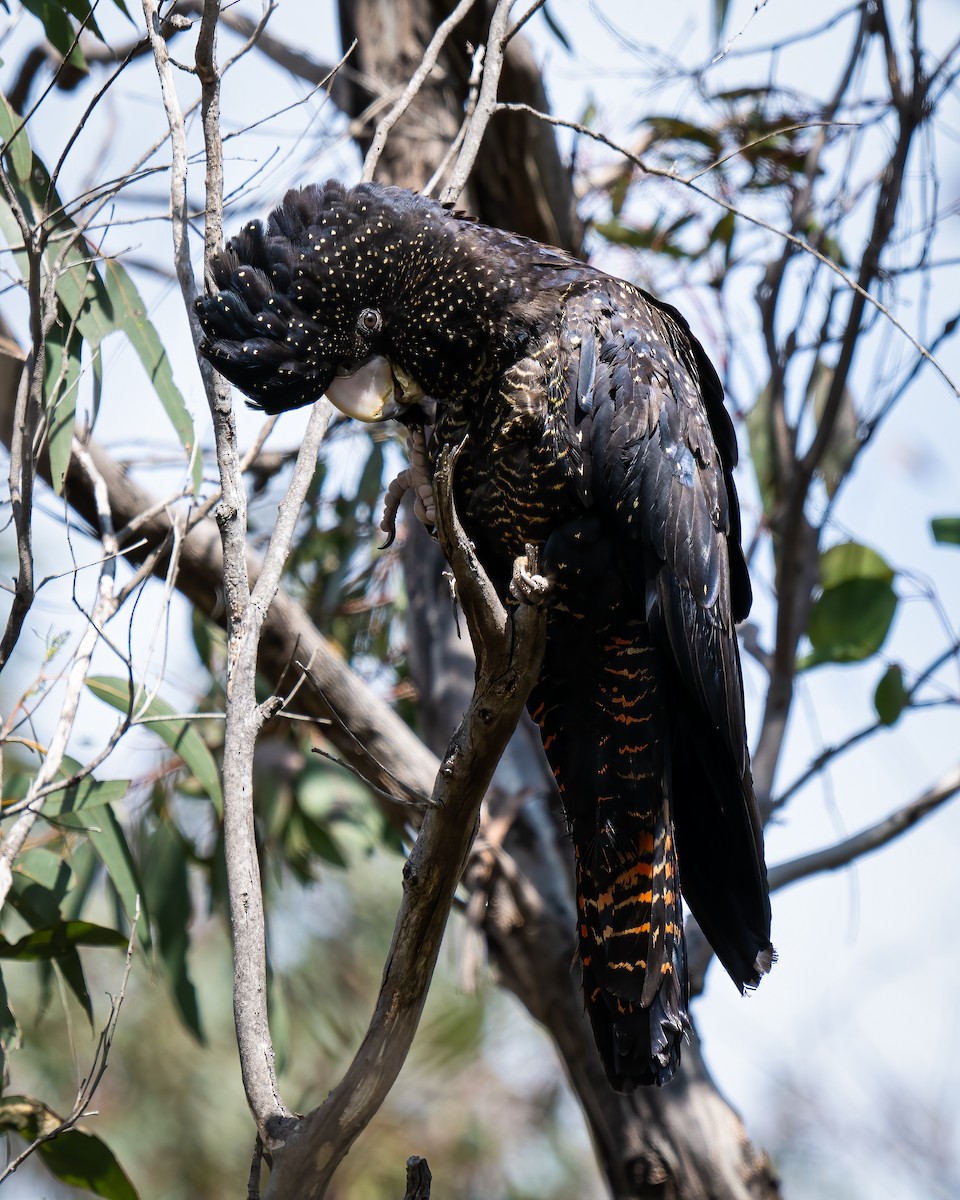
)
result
[(595, 429)]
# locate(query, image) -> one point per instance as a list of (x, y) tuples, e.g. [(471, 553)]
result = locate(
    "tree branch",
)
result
[(509, 650), (872, 838)]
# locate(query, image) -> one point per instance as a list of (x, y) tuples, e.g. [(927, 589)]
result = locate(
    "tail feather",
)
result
[(601, 686)]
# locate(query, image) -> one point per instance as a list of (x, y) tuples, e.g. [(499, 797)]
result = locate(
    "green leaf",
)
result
[(130, 314), (61, 378), (168, 896), (722, 235), (71, 970), (652, 237), (179, 734), (850, 622), (850, 560), (676, 130), (75, 1157), (97, 305), (720, 10), (844, 444), (890, 698), (10, 1038), (42, 944), (87, 793), (946, 530), (107, 838), (56, 25), (851, 618), (82, 1160), (762, 453), (19, 156), (40, 882), (556, 30)]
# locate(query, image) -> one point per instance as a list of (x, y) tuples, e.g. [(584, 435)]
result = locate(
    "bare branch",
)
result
[(867, 840)]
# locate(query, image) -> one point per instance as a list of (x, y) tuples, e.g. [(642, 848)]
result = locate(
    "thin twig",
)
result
[(486, 102), (791, 238), (104, 607)]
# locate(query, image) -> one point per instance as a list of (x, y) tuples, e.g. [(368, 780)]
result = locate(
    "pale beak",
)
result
[(366, 393)]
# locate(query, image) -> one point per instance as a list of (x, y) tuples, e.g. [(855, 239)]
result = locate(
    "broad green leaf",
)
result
[(9, 1032), (850, 622), (58, 28), (75, 1157), (107, 838), (179, 735), (71, 971), (88, 793), (82, 1160), (168, 897), (58, 940), (19, 156), (850, 560), (890, 698), (40, 882), (946, 530), (130, 314)]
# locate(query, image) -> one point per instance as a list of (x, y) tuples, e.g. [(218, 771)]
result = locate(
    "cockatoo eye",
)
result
[(370, 320)]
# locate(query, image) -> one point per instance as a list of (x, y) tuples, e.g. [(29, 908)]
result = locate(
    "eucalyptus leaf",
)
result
[(946, 530), (890, 698), (82, 1160), (17, 152), (60, 383), (168, 896), (59, 939), (178, 734), (130, 314), (10, 1037), (75, 1157), (850, 622), (108, 840)]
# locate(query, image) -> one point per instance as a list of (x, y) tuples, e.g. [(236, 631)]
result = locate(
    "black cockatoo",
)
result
[(596, 432)]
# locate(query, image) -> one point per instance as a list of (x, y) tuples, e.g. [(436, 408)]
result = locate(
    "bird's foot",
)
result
[(417, 478), (526, 585)]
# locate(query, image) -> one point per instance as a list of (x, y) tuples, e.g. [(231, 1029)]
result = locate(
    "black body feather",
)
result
[(597, 430)]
